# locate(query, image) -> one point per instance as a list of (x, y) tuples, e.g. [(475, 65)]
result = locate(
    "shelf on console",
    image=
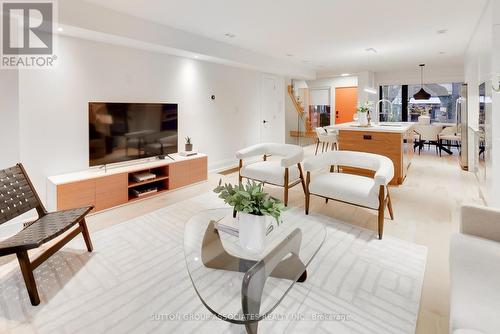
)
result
[(135, 184)]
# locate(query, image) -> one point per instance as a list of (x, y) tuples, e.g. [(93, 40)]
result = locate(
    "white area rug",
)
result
[(136, 281)]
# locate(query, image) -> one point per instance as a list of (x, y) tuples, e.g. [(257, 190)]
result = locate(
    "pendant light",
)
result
[(422, 94)]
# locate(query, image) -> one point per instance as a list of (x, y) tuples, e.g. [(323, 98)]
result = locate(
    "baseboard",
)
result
[(222, 165)]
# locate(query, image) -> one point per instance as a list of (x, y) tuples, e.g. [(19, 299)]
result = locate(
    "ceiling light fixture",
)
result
[(442, 31), (196, 57), (230, 35), (422, 94), (60, 29), (289, 55), (344, 74)]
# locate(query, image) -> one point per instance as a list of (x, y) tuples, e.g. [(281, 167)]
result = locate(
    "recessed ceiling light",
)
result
[(196, 57), (60, 29), (371, 50), (442, 31), (442, 52), (344, 74), (289, 55), (230, 35)]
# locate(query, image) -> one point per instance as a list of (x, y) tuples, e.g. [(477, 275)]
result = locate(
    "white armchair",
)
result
[(475, 272), (362, 191), (285, 172)]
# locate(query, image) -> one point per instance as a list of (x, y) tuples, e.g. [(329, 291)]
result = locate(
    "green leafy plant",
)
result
[(250, 198), (365, 107), (188, 140)]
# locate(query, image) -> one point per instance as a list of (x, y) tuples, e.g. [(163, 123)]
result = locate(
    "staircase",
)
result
[(304, 116)]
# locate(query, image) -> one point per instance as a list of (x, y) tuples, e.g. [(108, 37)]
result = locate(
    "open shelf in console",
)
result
[(117, 186), (147, 182)]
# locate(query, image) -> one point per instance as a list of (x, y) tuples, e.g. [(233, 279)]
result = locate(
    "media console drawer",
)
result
[(117, 186)]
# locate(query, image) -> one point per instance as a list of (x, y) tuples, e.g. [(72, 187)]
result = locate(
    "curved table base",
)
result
[(213, 255)]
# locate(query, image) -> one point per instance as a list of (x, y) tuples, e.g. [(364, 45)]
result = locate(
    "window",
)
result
[(391, 112), (441, 107)]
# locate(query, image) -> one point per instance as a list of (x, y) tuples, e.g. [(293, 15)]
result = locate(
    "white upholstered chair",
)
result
[(329, 138), (475, 272), (285, 172), (451, 135), (359, 190), (426, 133)]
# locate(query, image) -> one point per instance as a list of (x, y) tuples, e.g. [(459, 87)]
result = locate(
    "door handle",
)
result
[(264, 121), (367, 137)]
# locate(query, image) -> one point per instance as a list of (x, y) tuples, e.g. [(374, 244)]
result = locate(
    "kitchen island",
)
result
[(393, 140)]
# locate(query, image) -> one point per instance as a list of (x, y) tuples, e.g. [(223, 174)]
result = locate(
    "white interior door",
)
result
[(271, 113)]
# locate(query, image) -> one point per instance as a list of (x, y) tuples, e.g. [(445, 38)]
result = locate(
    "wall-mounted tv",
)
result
[(125, 131)]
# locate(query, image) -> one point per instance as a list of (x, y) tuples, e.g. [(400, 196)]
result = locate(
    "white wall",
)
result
[(480, 66), (53, 103), (9, 118), (366, 80), (412, 75)]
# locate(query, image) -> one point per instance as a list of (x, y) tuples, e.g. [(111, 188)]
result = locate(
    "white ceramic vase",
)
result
[(363, 118), (252, 231)]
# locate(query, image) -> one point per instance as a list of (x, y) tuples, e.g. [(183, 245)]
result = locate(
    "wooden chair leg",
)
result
[(381, 208), (327, 145), (317, 146), (29, 279), (308, 195), (308, 198), (389, 205), (302, 181), (326, 200), (240, 178), (286, 195), (285, 199), (86, 235), (323, 148)]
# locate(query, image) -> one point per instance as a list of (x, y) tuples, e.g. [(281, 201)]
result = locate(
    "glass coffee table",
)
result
[(241, 287)]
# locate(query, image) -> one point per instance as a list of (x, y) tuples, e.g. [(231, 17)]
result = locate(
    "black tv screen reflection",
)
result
[(126, 131)]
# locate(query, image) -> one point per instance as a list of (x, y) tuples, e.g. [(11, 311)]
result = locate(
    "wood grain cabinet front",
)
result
[(111, 191), (75, 194), (384, 143), (187, 172), (114, 189)]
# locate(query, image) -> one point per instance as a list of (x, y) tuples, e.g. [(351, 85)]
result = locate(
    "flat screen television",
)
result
[(126, 131)]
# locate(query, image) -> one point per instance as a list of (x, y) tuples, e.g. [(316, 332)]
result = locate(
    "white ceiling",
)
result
[(331, 35)]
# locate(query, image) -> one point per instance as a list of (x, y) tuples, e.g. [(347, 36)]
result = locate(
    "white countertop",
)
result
[(130, 166), (399, 127)]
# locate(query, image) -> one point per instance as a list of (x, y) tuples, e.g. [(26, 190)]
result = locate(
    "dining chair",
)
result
[(426, 134), (451, 135), (330, 138)]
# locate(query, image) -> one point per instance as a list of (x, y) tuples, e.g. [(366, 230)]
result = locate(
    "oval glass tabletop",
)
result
[(241, 287)]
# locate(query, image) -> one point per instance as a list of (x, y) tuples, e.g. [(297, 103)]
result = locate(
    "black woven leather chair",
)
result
[(17, 196)]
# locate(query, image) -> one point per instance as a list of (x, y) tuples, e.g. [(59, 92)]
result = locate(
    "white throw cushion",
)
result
[(270, 172), (475, 284), (349, 188)]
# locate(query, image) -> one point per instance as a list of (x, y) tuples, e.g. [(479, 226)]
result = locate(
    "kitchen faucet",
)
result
[(377, 109)]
